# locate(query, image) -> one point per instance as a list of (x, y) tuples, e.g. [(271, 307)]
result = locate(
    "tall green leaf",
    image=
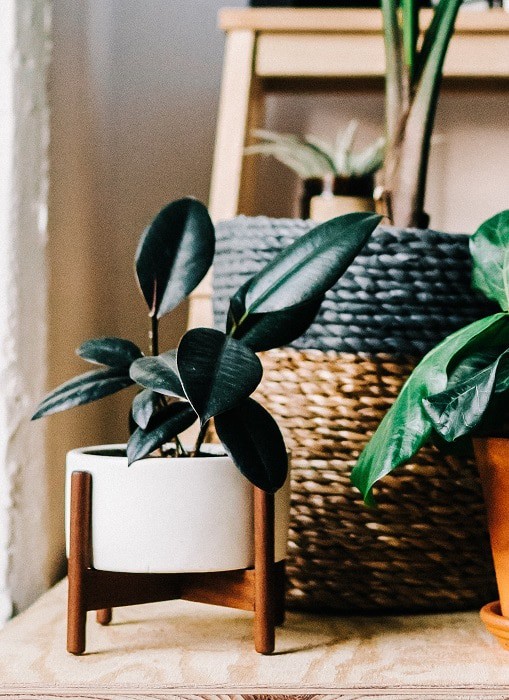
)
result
[(254, 442), (394, 103), (162, 428), (84, 389), (407, 426), (307, 268), (489, 247), (159, 373), (413, 150), (410, 10), (112, 352), (430, 35), (217, 371), (174, 254), (273, 329)]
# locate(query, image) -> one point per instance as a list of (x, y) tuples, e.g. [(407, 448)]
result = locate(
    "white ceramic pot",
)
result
[(167, 515)]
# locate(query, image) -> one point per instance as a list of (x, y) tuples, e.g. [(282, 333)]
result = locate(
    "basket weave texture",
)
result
[(400, 294), (425, 548)]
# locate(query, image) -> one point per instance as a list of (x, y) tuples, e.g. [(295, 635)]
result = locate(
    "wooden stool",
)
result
[(260, 589)]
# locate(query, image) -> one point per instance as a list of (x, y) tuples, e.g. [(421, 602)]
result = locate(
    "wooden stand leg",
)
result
[(103, 616), (79, 560), (264, 631), (261, 589)]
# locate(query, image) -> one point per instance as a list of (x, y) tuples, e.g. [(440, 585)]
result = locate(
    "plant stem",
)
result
[(201, 437), (181, 451), (153, 335)]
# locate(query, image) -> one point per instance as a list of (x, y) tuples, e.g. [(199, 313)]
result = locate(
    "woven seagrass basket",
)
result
[(426, 547)]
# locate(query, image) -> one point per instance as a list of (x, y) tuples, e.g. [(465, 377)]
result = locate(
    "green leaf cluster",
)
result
[(452, 392), (212, 374)]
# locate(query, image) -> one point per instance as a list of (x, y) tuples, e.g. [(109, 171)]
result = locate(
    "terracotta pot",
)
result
[(492, 457), (167, 515)]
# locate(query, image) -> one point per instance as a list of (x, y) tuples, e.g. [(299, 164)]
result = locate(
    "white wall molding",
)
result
[(24, 135)]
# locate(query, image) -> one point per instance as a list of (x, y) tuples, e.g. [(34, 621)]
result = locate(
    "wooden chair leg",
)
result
[(264, 627), (79, 560), (104, 616)]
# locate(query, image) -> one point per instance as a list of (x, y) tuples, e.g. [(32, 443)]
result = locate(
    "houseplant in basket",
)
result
[(399, 298), (189, 509), (460, 390), (336, 179)]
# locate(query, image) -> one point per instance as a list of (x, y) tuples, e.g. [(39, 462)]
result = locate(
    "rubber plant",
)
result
[(212, 374), (413, 77), (461, 387)]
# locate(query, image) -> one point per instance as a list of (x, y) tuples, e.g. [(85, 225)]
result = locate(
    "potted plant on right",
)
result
[(460, 390)]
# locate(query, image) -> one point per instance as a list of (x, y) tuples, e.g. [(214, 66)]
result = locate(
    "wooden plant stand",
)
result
[(260, 589)]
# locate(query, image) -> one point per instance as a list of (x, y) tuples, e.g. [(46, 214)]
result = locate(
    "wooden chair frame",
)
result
[(260, 589)]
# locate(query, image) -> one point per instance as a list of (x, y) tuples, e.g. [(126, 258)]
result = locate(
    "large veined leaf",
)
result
[(461, 407), (84, 389), (174, 254), (489, 248), (217, 371), (159, 373), (406, 427), (308, 267), (145, 405), (273, 329), (163, 427), (112, 352), (254, 442)]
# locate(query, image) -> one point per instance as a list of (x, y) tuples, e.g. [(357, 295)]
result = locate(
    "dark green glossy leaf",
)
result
[(174, 254), (84, 389), (159, 374), (407, 426), (307, 268), (163, 427), (272, 329), (217, 371), (145, 404), (112, 352), (254, 442), (461, 407), (489, 248)]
